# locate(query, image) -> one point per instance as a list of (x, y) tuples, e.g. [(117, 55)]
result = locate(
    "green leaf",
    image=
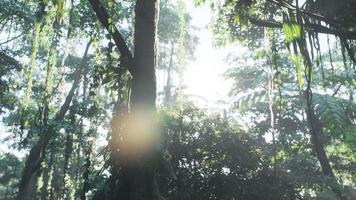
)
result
[(292, 31), (333, 112), (299, 73)]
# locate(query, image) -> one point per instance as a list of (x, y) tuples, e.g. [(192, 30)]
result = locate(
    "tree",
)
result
[(176, 46), (252, 75), (138, 168), (75, 72)]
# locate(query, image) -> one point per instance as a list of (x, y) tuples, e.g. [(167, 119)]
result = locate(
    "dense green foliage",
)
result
[(66, 83)]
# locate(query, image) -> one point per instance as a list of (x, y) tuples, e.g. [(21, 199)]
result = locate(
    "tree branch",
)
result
[(103, 17), (11, 39), (308, 26), (316, 16), (64, 108)]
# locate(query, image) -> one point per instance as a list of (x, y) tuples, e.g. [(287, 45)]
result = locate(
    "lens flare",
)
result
[(139, 134)]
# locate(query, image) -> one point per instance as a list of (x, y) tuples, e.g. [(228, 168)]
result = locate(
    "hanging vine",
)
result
[(330, 56), (69, 25), (31, 66)]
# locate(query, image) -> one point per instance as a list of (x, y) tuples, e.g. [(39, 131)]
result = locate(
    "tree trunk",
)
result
[(34, 159), (86, 172), (316, 132), (139, 147), (316, 129), (31, 170), (135, 143), (46, 176), (87, 162), (67, 155), (143, 74)]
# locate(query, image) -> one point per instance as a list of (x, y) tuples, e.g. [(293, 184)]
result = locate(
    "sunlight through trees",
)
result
[(95, 103)]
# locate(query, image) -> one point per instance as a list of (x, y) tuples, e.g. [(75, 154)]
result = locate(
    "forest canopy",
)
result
[(95, 103)]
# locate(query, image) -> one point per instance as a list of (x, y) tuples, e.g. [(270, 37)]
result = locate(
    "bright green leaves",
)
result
[(299, 73), (96, 43), (292, 31), (296, 59), (45, 39), (49, 72), (59, 7), (111, 25), (110, 19)]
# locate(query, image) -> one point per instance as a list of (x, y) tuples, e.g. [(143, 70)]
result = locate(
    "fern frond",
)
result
[(344, 77), (333, 112), (245, 101)]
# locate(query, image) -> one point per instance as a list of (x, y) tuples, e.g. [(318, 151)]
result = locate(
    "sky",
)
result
[(203, 76)]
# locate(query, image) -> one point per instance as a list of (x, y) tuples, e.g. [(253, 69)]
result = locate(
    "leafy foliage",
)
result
[(64, 82)]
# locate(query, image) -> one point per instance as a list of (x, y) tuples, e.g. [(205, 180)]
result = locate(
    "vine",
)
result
[(31, 66)]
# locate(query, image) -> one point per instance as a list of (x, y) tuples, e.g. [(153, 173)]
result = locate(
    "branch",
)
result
[(65, 106), (328, 20), (309, 27), (337, 90), (103, 17), (265, 23), (11, 39), (323, 29)]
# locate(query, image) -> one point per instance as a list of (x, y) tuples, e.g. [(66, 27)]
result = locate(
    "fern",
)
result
[(350, 138), (344, 77), (246, 101), (333, 112)]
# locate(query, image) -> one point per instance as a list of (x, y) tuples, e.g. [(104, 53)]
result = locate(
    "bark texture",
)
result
[(132, 165), (137, 174)]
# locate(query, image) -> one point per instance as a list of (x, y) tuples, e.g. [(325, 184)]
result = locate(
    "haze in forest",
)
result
[(178, 100)]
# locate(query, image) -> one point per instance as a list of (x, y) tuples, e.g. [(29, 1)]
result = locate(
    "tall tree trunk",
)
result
[(46, 176), (314, 123), (139, 145), (86, 172), (143, 74), (316, 133), (91, 134), (67, 155), (315, 126), (55, 189), (137, 148), (31, 170)]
